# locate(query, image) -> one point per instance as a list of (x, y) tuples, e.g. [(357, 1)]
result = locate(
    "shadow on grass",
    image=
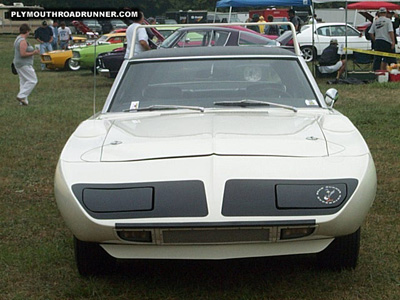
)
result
[(213, 271)]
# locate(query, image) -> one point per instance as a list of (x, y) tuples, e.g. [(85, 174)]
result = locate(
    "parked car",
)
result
[(324, 32), (94, 25), (118, 24), (60, 59), (215, 153), (109, 63), (84, 57), (215, 36)]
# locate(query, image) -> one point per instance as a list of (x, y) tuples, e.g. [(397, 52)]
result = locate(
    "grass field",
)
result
[(36, 254)]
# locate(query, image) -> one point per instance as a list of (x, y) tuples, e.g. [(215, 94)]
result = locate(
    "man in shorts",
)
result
[(330, 61), (382, 33)]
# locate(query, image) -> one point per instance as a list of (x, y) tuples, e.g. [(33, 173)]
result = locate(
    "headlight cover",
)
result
[(310, 195)]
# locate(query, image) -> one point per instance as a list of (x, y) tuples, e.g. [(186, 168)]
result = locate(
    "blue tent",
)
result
[(260, 3)]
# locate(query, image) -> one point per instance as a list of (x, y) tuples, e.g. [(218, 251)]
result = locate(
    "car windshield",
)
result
[(205, 82), (215, 37)]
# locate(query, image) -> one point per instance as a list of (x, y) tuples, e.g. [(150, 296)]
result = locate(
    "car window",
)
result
[(338, 30), (201, 82), (194, 39), (250, 39), (325, 31), (170, 40), (220, 38), (352, 32)]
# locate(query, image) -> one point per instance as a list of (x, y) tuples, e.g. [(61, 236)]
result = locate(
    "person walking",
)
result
[(382, 34), (141, 41), (23, 61), (44, 35)]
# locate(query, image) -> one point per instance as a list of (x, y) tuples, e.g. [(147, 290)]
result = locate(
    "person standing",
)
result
[(44, 35), (382, 34), (262, 25), (254, 19), (23, 61), (313, 19), (64, 35), (271, 29), (394, 17), (54, 28), (295, 20), (149, 32), (141, 41), (330, 62)]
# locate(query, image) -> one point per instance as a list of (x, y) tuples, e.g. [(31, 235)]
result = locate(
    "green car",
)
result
[(85, 57)]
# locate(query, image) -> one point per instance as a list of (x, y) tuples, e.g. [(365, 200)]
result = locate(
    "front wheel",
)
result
[(309, 53), (73, 65), (91, 259), (342, 253)]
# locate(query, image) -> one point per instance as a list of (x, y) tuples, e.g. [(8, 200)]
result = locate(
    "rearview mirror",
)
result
[(331, 96)]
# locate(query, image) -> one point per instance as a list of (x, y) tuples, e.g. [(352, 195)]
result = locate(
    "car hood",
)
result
[(99, 48), (196, 134)]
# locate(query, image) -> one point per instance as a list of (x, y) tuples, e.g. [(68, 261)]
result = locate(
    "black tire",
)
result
[(342, 253), (309, 53), (91, 259)]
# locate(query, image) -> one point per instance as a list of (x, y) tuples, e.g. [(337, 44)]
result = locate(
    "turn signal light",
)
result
[(295, 233), (136, 236)]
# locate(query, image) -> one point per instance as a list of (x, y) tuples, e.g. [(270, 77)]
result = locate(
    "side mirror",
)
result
[(187, 40), (331, 96)]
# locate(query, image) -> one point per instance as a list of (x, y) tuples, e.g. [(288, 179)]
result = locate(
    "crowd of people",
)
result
[(265, 28), (52, 37)]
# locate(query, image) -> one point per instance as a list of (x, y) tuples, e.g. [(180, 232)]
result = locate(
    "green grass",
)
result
[(36, 252)]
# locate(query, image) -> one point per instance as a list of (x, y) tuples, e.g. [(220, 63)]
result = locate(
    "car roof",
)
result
[(215, 51)]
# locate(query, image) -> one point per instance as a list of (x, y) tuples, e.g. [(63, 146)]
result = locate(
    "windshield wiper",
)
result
[(165, 107), (249, 102)]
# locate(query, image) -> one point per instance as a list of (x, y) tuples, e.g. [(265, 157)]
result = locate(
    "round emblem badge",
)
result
[(329, 194)]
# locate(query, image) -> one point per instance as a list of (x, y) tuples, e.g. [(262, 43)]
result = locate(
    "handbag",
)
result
[(13, 69)]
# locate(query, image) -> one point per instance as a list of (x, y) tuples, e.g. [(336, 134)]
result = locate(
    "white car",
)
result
[(323, 33), (215, 153)]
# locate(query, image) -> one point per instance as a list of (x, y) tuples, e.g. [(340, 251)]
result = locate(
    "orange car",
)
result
[(59, 59)]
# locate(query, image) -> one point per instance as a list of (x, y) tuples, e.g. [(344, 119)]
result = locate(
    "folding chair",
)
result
[(362, 62)]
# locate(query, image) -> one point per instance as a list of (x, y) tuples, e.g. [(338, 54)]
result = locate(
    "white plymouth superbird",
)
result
[(215, 153)]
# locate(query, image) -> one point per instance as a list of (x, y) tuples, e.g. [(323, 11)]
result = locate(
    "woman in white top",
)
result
[(23, 62)]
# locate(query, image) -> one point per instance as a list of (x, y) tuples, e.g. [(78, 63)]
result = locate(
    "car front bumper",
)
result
[(323, 227)]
